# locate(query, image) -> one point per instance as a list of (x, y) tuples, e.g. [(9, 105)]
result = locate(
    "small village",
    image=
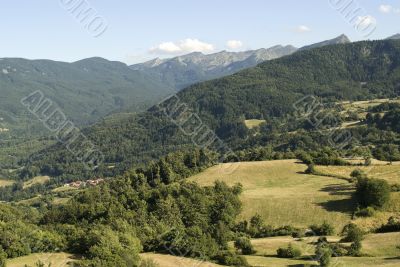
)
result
[(82, 184)]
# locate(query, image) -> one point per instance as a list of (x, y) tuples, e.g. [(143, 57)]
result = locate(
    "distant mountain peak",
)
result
[(394, 37), (341, 39), (195, 67)]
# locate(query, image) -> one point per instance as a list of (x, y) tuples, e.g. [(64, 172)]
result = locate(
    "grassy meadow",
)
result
[(250, 124), (173, 261), (283, 195), (55, 259)]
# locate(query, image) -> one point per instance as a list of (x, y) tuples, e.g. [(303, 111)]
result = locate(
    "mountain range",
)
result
[(185, 70), (354, 71), (89, 89), (86, 90), (182, 71)]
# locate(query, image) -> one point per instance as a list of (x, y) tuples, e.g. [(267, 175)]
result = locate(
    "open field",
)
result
[(172, 261), (362, 106), (382, 245), (379, 169), (5, 182), (56, 260), (258, 261), (268, 246), (36, 180), (250, 124), (282, 194), (381, 249)]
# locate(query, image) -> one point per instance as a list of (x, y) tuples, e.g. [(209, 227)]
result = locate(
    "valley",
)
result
[(193, 152)]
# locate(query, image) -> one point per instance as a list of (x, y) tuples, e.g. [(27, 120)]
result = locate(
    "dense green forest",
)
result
[(151, 209), (357, 71)]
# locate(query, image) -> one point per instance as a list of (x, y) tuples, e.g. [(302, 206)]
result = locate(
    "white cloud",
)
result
[(363, 22), (387, 9), (234, 44), (302, 29), (184, 46)]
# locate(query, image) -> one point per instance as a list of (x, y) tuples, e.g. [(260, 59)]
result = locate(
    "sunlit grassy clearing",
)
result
[(282, 194), (56, 260), (5, 182), (172, 261), (390, 173), (36, 180), (337, 262), (250, 124)]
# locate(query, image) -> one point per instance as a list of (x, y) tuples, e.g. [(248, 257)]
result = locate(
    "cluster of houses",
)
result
[(80, 184)]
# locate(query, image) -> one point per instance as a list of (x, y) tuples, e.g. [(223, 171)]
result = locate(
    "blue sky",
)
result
[(135, 31)]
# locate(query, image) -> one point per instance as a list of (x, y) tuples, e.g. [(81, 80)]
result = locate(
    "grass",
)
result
[(5, 182), (379, 169), (390, 173), (36, 180), (268, 246), (382, 245), (362, 106), (173, 261), (381, 250), (250, 124), (336, 262), (56, 260), (283, 195)]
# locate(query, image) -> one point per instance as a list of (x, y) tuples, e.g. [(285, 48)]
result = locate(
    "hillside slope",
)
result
[(363, 70), (85, 90)]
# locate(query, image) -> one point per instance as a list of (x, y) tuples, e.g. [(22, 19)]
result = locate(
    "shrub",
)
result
[(289, 252), (395, 187), (310, 169), (229, 258), (357, 173), (244, 244), (338, 250), (393, 225), (355, 248), (298, 234), (352, 233), (3, 257), (324, 229), (323, 253), (305, 158), (372, 192), (368, 161), (365, 212)]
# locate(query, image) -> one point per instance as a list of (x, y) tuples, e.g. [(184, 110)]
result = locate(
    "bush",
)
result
[(298, 234), (3, 257), (244, 244), (305, 158), (393, 225), (323, 230), (310, 169), (352, 233), (355, 249), (289, 252), (323, 253), (395, 187), (357, 173), (229, 258), (338, 250), (372, 192), (365, 212)]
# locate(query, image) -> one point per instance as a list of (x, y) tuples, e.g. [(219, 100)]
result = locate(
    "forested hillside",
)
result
[(85, 90), (357, 71)]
